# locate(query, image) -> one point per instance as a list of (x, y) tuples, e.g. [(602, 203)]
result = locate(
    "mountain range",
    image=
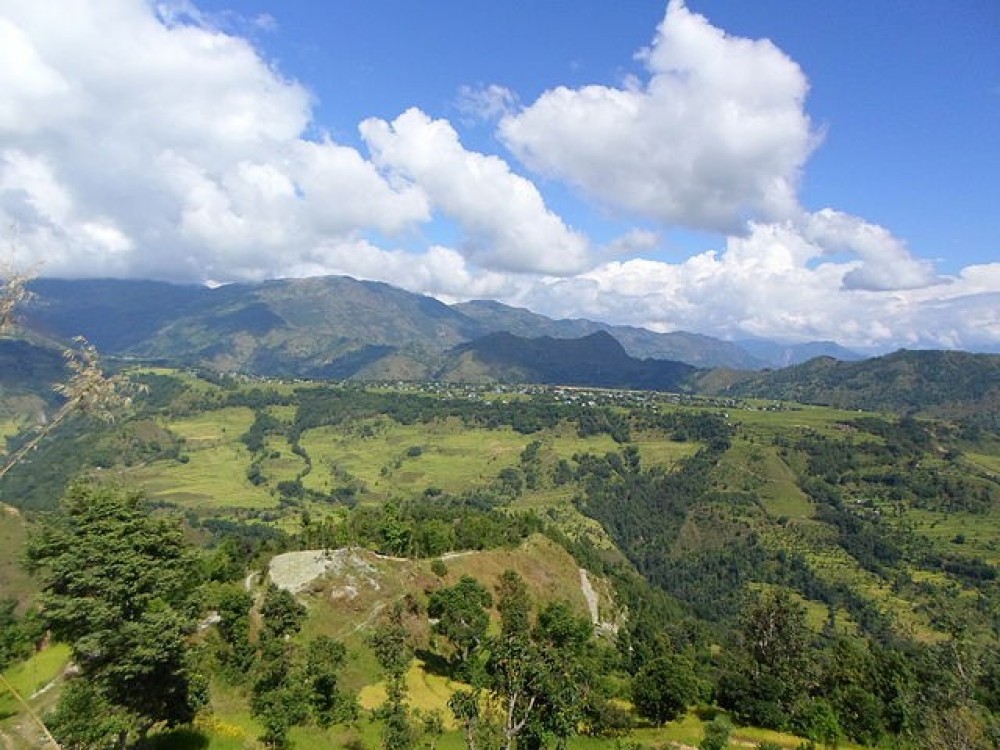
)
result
[(339, 327)]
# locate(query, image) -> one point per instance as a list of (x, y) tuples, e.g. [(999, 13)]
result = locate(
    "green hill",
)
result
[(594, 360), (323, 327), (938, 383)]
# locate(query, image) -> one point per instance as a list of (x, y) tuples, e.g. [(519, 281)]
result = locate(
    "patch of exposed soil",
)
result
[(295, 571)]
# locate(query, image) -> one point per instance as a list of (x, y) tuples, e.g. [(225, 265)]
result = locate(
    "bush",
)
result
[(717, 734), (663, 689)]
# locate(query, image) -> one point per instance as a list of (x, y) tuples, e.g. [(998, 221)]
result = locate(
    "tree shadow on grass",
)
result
[(184, 738), (436, 664)]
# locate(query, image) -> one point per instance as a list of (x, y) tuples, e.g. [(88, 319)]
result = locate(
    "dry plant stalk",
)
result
[(31, 712), (88, 390), (13, 292)]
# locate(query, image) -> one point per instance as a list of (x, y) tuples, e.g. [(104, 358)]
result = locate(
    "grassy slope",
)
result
[(550, 574), (451, 457), (31, 679), (375, 455), (14, 582), (215, 475)]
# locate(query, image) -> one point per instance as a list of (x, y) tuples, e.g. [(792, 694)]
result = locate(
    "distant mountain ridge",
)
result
[(597, 359), (333, 327), (340, 328), (680, 346), (318, 327), (785, 355)]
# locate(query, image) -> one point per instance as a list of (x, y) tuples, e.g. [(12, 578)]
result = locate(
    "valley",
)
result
[(879, 532)]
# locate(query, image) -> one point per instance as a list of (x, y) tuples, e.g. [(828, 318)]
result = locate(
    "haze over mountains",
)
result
[(339, 327)]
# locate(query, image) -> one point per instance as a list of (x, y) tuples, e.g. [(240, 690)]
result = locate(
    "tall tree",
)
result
[(324, 660), (514, 668), (462, 617), (768, 678), (664, 688), (115, 581), (390, 641), (536, 671)]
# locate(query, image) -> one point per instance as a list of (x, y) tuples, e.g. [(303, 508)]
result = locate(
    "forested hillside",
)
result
[(937, 383), (821, 574), (593, 360)]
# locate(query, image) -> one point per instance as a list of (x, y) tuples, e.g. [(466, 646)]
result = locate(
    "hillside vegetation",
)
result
[(823, 572), (937, 383)]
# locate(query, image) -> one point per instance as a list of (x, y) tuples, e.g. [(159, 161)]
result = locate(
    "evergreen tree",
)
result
[(390, 641), (115, 585)]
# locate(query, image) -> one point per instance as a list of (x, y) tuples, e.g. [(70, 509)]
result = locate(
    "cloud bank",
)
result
[(154, 141), (717, 133)]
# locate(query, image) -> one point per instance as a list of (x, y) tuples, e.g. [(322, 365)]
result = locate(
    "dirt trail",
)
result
[(591, 596)]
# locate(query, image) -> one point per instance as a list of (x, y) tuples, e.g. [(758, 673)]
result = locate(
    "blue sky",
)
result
[(908, 93), (778, 168)]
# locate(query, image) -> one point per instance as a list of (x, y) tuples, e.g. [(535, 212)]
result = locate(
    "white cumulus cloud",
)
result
[(715, 135), (886, 261), (141, 143), (507, 224), (781, 281)]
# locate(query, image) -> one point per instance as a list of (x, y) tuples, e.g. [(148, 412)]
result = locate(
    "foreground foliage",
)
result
[(116, 585)]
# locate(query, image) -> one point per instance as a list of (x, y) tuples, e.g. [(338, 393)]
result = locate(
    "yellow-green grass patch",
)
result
[(209, 428), (967, 534), (425, 691), (833, 564), (778, 489), (213, 477), (286, 466), (565, 443), (283, 413), (753, 736), (30, 676), (215, 472), (689, 730), (402, 459), (985, 461), (9, 426), (779, 421), (659, 451), (228, 723)]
